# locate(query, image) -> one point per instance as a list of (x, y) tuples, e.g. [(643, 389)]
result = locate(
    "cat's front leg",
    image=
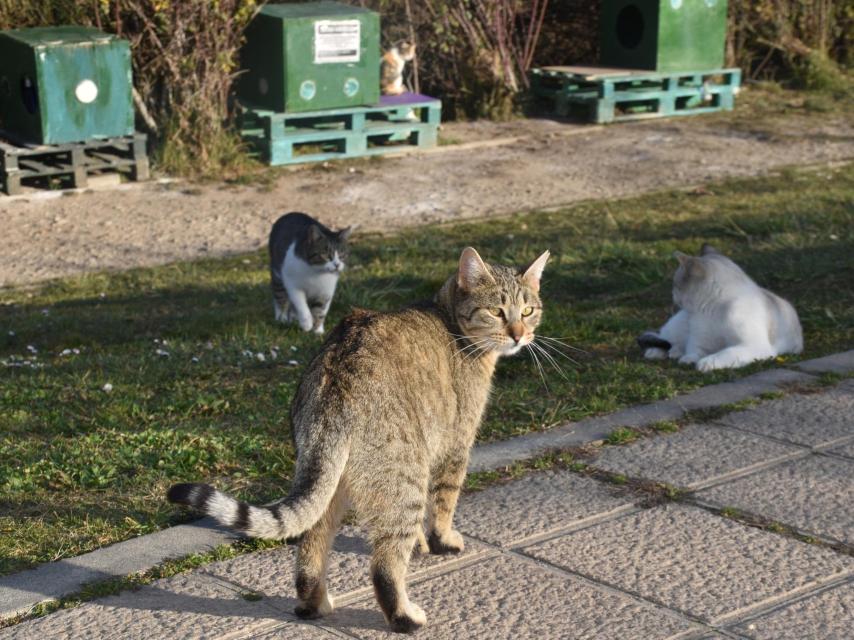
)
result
[(300, 307), (319, 316), (444, 493)]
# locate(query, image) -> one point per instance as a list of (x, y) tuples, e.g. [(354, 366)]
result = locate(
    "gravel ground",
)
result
[(492, 169)]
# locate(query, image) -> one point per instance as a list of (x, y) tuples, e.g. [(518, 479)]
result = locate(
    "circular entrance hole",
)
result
[(630, 27)]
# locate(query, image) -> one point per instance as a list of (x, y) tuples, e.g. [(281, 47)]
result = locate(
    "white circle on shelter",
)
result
[(86, 91)]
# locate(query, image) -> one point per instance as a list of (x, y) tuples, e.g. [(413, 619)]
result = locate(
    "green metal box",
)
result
[(311, 56), (663, 35), (64, 84)]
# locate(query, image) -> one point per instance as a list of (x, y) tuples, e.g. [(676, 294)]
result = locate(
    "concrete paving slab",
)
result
[(508, 598), (297, 630), (495, 455), (814, 420), (836, 363), (537, 505), (272, 572), (828, 615), (694, 457), (693, 561), (814, 494), (184, 606), (19, 592)]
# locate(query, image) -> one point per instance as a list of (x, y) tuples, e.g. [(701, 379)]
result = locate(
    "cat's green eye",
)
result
[(496, 312), (527, 311)]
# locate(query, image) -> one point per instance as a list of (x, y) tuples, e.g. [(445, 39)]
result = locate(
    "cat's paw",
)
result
[(410, 620), (306, 323), (654, 353), (689, 358), (709, 363), (307, 611), (319, 330), (420, 547), (675, 353), (451, 541)]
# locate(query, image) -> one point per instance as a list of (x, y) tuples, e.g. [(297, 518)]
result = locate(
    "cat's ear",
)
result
[(534, 272), (681, 257), (707, 249), (314, 233), (345, 234), (472, 270)]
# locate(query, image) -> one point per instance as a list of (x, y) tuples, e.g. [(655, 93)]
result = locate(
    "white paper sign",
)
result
[(336, 41)]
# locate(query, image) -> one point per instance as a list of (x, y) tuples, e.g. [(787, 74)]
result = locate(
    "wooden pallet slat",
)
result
[(317, 136), (614, 95), (77, 161)]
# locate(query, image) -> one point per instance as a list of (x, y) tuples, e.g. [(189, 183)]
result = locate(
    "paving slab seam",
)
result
[(670, 612), (578, 525), (792, 601), (816, 449), (764, 606), (518, 554), (750, 519), (724, 477)]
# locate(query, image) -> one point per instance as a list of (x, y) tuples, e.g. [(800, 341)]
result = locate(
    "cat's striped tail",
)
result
[(313, 489)]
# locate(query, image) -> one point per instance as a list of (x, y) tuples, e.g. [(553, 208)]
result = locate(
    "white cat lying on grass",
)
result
[(725, 320)]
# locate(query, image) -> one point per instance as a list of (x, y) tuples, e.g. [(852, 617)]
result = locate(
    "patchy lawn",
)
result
[(113, 386)]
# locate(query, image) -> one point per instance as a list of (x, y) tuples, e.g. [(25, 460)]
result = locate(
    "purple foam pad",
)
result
[(403, 99)]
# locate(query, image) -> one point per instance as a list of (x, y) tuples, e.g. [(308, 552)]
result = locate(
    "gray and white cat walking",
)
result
[(725, 320), (306, 260)]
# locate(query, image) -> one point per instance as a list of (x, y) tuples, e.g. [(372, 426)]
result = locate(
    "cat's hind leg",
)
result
[(281, 304), (313, 561), (734, 357), (444, 492), (675, 332), (390, 501)]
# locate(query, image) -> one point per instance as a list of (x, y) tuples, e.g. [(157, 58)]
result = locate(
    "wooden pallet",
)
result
[(603, 95), (387, 127), (30, 163)]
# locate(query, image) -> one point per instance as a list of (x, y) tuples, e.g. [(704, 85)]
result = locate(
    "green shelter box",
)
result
[(663, 35), (311, 56), (64, 84)]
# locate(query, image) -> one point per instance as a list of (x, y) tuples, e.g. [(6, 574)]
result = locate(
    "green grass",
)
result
[(81, 466)]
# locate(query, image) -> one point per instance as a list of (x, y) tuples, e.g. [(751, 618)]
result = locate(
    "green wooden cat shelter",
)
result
[(657, 58), (66, 107), (309, 88)]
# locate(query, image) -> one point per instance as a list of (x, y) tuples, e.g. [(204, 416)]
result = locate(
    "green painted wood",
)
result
[(289, 63), (614, 98), (663, 35), (44, 76), (280, 138)]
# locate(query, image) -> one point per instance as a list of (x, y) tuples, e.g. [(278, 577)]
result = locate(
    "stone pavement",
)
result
[(559, 554)]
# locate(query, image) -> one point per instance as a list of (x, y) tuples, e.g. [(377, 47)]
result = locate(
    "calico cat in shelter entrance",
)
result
[(725, 320), (391, 71), (306, 260), (383, 421)]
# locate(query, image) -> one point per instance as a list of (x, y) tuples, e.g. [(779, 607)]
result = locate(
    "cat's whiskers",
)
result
[(473, 349), (550, 360), (561, 342), (537, 362), (555, 350)]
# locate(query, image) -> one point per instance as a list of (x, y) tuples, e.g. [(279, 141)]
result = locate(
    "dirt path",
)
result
[(549, 164)]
